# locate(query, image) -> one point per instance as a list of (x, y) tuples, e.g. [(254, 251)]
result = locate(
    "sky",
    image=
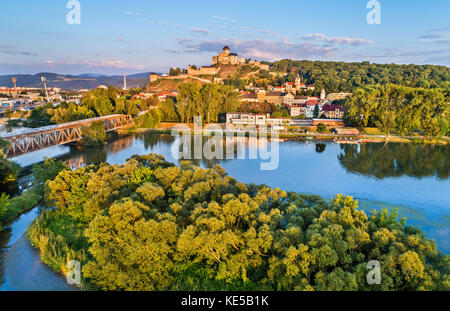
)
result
[(132, 36)]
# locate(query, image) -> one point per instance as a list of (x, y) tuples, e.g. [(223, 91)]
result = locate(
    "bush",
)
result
[(321, 128)]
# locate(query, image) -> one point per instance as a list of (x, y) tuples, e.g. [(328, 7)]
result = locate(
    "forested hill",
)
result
[(341, 76)]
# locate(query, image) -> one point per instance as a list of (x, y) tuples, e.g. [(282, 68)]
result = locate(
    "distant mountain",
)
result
[(83, 81)]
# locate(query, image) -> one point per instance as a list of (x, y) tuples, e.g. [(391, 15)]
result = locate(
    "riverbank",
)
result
[(166, 128)]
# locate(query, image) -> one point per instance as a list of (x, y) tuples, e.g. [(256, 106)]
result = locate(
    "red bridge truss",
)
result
[(44, 137)]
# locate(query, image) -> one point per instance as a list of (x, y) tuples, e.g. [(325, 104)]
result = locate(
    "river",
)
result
[(412, 177)]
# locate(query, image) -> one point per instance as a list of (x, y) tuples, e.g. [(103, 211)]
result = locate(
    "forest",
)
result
[(151, 225), (346, 77), (400, 109)]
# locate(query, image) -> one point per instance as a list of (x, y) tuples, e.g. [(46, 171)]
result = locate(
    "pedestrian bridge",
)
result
[(39, 138)]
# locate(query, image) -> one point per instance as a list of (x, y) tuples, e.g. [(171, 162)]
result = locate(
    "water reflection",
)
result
[(320, 147), (395, 160)]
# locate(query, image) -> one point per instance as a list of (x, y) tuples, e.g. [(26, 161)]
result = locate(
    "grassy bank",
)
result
[(325, 136), (33, 196), (22, 203)]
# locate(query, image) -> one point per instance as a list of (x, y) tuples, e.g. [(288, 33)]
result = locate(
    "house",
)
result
[(288, 98), (311, 106), (333, 111), (338, 96), (164, 94), (246, 118), (274, 97), (310, 87), (249, 98), (300, 99), (279, 89), (296, 110), (253, 119)]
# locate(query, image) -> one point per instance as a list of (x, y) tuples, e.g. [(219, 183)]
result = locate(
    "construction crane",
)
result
[(44, 80)]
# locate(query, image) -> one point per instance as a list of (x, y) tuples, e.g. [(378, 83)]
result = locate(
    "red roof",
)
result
[(312, 102), (332, 108)]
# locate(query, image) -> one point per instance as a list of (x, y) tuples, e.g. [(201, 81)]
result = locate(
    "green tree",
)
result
[(94, 134)]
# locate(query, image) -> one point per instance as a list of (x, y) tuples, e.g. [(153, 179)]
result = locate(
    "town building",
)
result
[(297, 110), (338, 96), (253, 119), (333, 111)]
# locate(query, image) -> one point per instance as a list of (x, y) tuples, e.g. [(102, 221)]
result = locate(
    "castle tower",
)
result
[(226, 51)]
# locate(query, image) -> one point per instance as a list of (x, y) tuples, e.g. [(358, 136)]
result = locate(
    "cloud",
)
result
[(259, 49), (336, 40), (201, 31), (396, 54), (436, 36), (225, 18), (311, 46), (7, 49), (132, 13)]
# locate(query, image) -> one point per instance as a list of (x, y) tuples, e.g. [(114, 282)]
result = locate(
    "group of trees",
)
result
[(177, 71), (207, 101), (401, 109), (96, 103), (163, 111), (151, 225), (8, 171), (346, 77)]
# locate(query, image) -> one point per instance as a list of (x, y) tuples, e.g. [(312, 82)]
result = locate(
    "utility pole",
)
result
[(44, 80)]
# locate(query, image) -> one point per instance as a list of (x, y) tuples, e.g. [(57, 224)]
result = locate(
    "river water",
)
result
[(411, 177)]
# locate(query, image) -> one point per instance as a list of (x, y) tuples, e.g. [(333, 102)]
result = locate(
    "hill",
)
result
[(345, 77), (83, 81)]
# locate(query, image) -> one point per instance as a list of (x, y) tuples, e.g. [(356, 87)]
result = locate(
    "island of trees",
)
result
[(151, 225)]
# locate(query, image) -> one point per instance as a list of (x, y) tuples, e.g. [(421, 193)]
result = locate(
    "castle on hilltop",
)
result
[(228, 58)]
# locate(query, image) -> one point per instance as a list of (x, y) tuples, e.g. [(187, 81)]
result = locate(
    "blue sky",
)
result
[(132, 36)]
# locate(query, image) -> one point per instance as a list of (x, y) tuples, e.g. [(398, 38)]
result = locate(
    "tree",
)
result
[(316, 111), (8, 114), (94, 134), (4, 203), (321, 128)]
